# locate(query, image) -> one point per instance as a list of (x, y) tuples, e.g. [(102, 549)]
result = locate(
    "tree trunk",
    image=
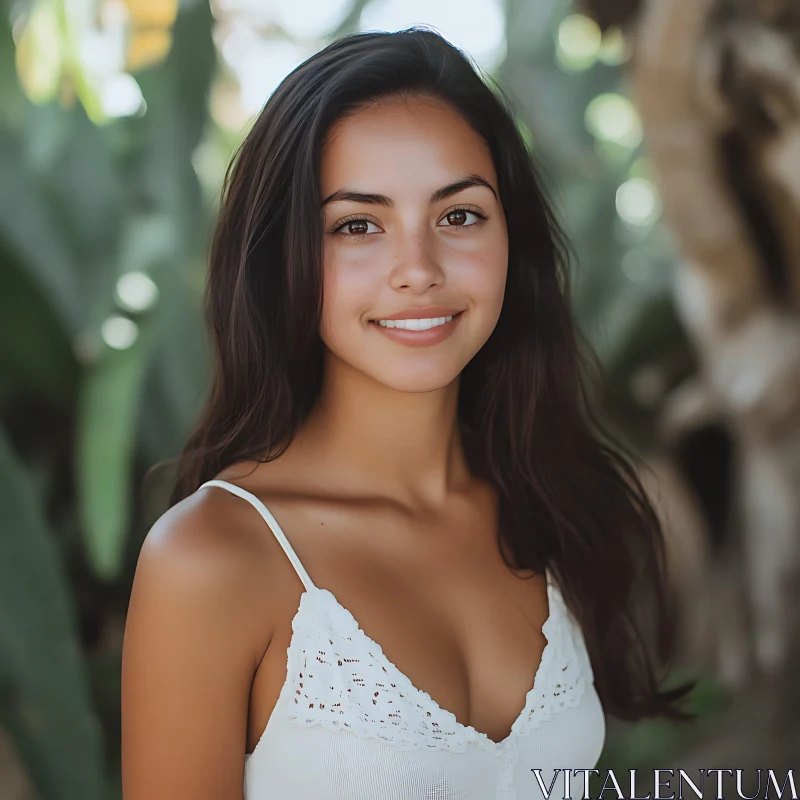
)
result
[(717, 86)]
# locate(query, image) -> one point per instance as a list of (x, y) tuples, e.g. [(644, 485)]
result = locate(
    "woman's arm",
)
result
[(193, 640)]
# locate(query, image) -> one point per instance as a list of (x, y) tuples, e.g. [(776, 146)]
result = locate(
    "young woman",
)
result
[(402, 559)]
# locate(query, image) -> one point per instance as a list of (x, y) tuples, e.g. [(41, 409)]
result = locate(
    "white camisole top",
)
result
[(349, 725)]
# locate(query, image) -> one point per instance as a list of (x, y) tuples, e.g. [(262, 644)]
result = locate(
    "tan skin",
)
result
[(374, 493)]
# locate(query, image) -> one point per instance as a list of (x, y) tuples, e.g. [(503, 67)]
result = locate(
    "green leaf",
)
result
[(31, 232), (44, 697), (108, 411), (15, 102), (35, 355), (178, 380)]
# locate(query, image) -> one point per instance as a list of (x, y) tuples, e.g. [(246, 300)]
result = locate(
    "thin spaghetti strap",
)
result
[(272, 523)]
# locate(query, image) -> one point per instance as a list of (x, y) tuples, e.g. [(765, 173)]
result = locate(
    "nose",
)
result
[(416, 262)]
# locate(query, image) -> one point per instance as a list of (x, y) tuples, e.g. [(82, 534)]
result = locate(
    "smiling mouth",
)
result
[(416, 330)]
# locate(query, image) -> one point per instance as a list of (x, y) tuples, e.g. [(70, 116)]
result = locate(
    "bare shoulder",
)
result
[(206, 549), (198, 623), (210, 534), (211, 554)]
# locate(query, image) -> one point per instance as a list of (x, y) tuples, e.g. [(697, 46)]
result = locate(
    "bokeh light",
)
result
[(136, 291), (578, 41), (613, 118), (119, 332), (637, 202)]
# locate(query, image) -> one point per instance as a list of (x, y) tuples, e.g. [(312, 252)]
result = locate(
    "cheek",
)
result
[(481, 276), (349, 286)]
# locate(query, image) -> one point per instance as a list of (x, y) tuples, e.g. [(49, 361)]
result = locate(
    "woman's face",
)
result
[(412, 220)]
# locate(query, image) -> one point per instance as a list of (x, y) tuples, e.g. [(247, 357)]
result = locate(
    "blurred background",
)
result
[(670, 137)]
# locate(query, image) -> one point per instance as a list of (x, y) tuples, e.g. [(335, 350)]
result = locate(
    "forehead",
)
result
[(415, 143)]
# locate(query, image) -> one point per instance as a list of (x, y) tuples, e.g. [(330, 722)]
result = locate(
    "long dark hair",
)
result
[(569, 499)]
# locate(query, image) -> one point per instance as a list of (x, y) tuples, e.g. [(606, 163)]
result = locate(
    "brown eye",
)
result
[(357, 227), (457, 217)]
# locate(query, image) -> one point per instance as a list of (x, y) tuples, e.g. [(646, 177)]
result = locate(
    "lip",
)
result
[(419, 338), (423, 312)]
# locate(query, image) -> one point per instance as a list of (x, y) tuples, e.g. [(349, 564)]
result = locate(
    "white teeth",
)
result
[(414, 324)]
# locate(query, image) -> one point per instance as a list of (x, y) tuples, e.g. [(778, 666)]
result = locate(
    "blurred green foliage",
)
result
[(82, 204), (44, 698)]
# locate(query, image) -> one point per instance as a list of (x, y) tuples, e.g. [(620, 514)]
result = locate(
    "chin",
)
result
[(422, 381)]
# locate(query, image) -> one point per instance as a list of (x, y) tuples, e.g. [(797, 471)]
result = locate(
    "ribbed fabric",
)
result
[(349, 725)]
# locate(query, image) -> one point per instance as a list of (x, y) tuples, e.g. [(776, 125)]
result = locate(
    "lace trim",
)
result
[(341, 679), (565, 675)]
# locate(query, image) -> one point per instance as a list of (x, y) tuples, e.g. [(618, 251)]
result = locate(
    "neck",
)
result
[(403, 445)]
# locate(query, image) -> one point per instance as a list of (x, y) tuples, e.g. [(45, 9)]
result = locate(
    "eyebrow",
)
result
[(382, 200)]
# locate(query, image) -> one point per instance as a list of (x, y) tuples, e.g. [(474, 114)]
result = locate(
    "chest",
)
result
[(345, 705), (437, 597)]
